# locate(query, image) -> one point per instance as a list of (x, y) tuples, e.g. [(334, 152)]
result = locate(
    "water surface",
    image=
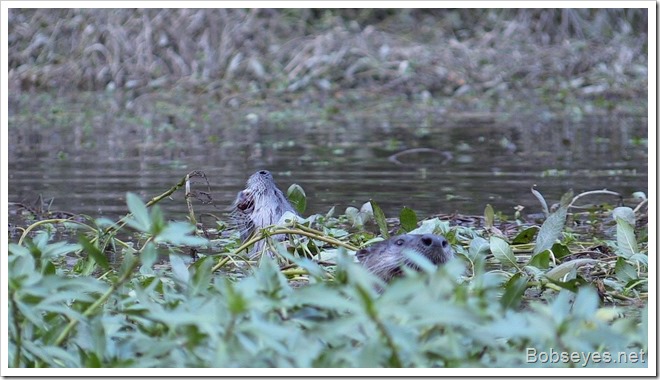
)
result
[(87, 154)]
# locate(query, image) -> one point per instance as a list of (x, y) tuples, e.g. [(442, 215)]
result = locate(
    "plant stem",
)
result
[(604, 191), (48, 221), (191, 211), (314, 235), (371, 312), (121, 222), (19, 335), (125, 276), (311, 233)]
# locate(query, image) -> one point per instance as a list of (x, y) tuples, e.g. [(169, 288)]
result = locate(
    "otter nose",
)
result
[(427, 240), (263, 172), (444, 243)]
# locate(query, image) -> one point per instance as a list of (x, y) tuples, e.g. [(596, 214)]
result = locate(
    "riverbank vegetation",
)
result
[(126, 294), (566, 288), (503, 61)]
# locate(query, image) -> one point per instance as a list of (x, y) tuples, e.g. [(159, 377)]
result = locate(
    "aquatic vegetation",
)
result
[(127, 294)]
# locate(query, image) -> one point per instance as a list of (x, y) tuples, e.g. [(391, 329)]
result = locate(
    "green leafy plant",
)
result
[(152, 306)]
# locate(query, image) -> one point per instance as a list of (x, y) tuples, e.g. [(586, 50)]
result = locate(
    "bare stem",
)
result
[(604, 191), (301, 230), (48, 221)]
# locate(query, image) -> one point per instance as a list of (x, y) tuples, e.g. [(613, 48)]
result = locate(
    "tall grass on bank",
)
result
[(438, 51)]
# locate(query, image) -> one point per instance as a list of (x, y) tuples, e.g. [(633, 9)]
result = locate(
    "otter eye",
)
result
[(399, 242)]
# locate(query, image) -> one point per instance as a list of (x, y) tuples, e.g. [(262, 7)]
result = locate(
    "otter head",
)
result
[(260, 181), (386, 258), (259, 205)]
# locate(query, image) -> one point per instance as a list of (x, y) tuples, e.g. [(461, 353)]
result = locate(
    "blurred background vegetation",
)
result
[(486, 58)]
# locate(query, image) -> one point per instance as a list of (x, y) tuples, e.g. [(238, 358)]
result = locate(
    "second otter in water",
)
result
[(261, 204), (385, 259)]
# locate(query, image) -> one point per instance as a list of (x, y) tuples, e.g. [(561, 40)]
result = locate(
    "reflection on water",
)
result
[(88, 160)]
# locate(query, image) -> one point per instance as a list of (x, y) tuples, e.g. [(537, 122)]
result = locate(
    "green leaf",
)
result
[(179, 269), (148, 256), (540, 260), (586, 302), (525, 236), (573, 285), (639, 195), (379, 216), (93, 251), (21, 261), (625, 213), (297, 197), (51, 355), (89, 359), (641, 258), (489, 216), (560, 250), (514, 291), (637, 282), (432, 226), (330, 212), (408, 219), (353, 215), (478, 246), (566, 199), (140, 216), (129, 260), (309, 265), (201, 274), (624, 270), (236, 302), (503, 252), (54, 250), (544, 204), (625, 233), (552, 227), (179, 233), (560, 270), (419, 260)]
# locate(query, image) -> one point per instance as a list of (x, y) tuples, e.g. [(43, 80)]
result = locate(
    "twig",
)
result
[(604, 191), (48, 221), (191, 211), (300, 230), (639, 206), (121, 222)]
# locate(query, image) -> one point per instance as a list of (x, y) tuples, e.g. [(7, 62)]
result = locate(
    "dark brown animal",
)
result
[(385, 259)]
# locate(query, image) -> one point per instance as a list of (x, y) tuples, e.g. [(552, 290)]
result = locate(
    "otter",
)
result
[(385, 259), (259, 205)]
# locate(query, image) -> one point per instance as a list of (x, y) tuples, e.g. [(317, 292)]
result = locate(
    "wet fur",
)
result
[(261, 204), (385, 259)]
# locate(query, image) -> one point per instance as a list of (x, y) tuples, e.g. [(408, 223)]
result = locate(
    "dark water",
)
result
[(87, 160)]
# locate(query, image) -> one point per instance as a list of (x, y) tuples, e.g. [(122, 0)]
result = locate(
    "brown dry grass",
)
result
[(438, 52)]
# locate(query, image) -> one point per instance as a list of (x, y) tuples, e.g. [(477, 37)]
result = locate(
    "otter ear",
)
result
[(361, 254)]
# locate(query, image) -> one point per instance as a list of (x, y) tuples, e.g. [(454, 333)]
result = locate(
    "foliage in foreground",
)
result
[(138, 314)]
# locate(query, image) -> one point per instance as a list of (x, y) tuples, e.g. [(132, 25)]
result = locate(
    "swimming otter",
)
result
[(261, 204), (385, 259)]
